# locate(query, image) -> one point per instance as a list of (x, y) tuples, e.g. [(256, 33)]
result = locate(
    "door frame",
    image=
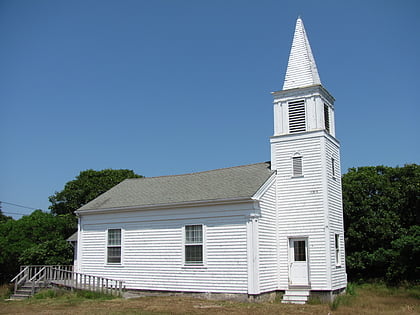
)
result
[(290, 248)]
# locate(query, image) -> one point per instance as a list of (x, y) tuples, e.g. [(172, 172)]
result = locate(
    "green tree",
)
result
[(53, 252), (87, 186), (35, 232), (381, 221), (3, 217)]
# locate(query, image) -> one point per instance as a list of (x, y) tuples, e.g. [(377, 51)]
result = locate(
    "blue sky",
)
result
[(174, 86)]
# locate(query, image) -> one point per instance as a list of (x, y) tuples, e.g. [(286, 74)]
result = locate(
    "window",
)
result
[(327, 118), (297, 166), (193, 244), (337, 250), (297, 120), (300, 250), (333, 167), (114, 246)]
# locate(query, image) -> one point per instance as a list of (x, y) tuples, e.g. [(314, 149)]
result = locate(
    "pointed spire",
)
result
[(301, 69)]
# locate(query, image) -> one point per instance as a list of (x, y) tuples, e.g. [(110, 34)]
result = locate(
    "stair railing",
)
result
[(36, 278), (38, 275), (21, 277)]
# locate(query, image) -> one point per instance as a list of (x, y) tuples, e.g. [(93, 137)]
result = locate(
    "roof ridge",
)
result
[(200, 172)]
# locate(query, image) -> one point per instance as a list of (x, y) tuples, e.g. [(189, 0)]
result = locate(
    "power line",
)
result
[(6, 212), (16, 205)]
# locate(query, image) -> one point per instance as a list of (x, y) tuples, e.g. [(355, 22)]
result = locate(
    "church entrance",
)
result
[(298, 262)]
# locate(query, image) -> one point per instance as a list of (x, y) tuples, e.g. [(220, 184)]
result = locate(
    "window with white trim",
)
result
[(333, 167), (194, 244), (297, 120), (297, 166), (337, 249), (114, 246)]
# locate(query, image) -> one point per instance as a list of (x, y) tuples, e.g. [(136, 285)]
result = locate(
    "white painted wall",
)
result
[(152, 248), (335, 213), (301, 206), (267, 239)]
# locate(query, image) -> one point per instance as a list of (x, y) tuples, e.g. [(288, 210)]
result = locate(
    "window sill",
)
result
[(194, 267), (299, 176), (114, 265)]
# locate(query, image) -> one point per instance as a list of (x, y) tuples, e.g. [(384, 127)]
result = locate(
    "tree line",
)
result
[(381, 221), (40, 238)]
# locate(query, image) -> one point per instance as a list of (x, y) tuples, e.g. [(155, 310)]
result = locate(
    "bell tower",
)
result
[(303, 105), (306, 157)]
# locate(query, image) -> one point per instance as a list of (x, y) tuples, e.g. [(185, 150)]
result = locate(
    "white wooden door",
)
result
[(298, 261)]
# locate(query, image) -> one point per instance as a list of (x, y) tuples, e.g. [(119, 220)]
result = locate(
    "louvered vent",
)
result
[(327, 118), (297, 166), (297, 121)]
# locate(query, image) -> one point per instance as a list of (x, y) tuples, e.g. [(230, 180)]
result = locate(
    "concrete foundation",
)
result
[(239, 297), (323, 296), (327, 296)]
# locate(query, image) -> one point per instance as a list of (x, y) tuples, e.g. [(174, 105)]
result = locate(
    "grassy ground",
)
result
[(365, 299)]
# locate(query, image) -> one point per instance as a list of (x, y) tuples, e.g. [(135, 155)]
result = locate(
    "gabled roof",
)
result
[(221, 184), (301, 69), (72, 238)]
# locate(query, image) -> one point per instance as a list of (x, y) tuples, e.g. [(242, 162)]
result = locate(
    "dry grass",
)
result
[(368, 300), (5, 291)]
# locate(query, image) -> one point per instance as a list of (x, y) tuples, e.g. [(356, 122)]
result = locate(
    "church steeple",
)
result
[(306, 157), (301, 68), (303, 105)]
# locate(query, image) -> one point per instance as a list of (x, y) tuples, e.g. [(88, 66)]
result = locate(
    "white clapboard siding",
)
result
[(335, 214), (152, 249), (268, 262), (301, 209)]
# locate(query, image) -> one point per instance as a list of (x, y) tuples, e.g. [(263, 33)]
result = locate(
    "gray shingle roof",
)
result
[(73, 237), (227, 183)]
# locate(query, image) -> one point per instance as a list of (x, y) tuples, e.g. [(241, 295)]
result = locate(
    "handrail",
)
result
[(34, 278), (82, 281), (84, 274), (18, 275), (30, 273), (39, 272), (25, 273)]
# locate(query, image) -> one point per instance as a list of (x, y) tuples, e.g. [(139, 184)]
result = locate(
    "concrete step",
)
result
[(296, 296), (25, 291), (19, 296)]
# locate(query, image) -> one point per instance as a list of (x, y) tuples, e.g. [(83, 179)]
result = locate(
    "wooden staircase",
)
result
[(31, 279), (25, 291)]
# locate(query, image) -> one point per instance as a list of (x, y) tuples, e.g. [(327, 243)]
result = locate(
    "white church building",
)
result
[(247, 231)]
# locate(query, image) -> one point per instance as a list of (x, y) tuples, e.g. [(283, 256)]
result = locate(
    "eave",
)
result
[(189, 204)]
